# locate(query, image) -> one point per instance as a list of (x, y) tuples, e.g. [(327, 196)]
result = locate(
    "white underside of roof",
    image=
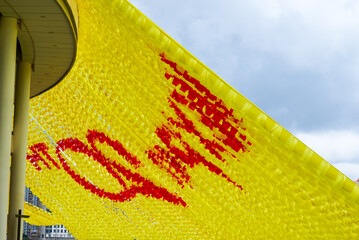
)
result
[(48, 38)]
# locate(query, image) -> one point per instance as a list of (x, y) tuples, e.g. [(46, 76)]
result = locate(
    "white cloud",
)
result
[(306, 34), (334, 146), (300, 57), (351, 170), (340, 148)]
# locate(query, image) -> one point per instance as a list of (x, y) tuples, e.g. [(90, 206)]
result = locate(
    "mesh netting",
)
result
[(142, 141)]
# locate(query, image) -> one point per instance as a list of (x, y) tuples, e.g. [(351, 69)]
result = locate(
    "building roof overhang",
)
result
[(47, 37)]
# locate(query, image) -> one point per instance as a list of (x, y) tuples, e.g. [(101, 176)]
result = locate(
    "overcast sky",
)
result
[(297, 60)]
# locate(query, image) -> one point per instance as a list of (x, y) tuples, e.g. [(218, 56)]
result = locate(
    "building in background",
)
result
[(57, 232), (29, 229), (53, 232)]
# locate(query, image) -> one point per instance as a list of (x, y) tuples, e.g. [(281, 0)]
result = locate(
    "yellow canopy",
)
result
[(142, 141)]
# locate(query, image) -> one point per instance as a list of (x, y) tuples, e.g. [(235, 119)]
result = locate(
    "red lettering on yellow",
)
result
[(176, 156), (213, 114), (35, 157)]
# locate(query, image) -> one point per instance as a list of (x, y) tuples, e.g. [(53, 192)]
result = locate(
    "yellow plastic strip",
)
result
[(38, 216)]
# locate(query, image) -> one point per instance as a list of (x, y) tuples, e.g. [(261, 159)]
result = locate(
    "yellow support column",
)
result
[(8, 36), (18, 161)]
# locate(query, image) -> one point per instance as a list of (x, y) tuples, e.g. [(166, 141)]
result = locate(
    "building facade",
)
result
[(30, 230), (53, 232)]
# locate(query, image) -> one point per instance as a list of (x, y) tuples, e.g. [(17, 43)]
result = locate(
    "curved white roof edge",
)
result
[(48, 38)]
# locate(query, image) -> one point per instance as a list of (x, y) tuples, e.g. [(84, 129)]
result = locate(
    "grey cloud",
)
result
[(301, 56)]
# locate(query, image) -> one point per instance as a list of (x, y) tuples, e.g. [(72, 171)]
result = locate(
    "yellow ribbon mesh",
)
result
[(142, 141), (39, 216)]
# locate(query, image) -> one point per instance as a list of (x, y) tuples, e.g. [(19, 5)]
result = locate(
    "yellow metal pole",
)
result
[(18, 161), (8, 36)]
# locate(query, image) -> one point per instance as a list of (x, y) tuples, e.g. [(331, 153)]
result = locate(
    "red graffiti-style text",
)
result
[(175, 155)]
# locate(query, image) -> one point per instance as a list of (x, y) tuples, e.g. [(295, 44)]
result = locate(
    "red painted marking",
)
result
[(213, 114), (183, 122), (176, 160), (35, 157), (94, 135), (140, 184)]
